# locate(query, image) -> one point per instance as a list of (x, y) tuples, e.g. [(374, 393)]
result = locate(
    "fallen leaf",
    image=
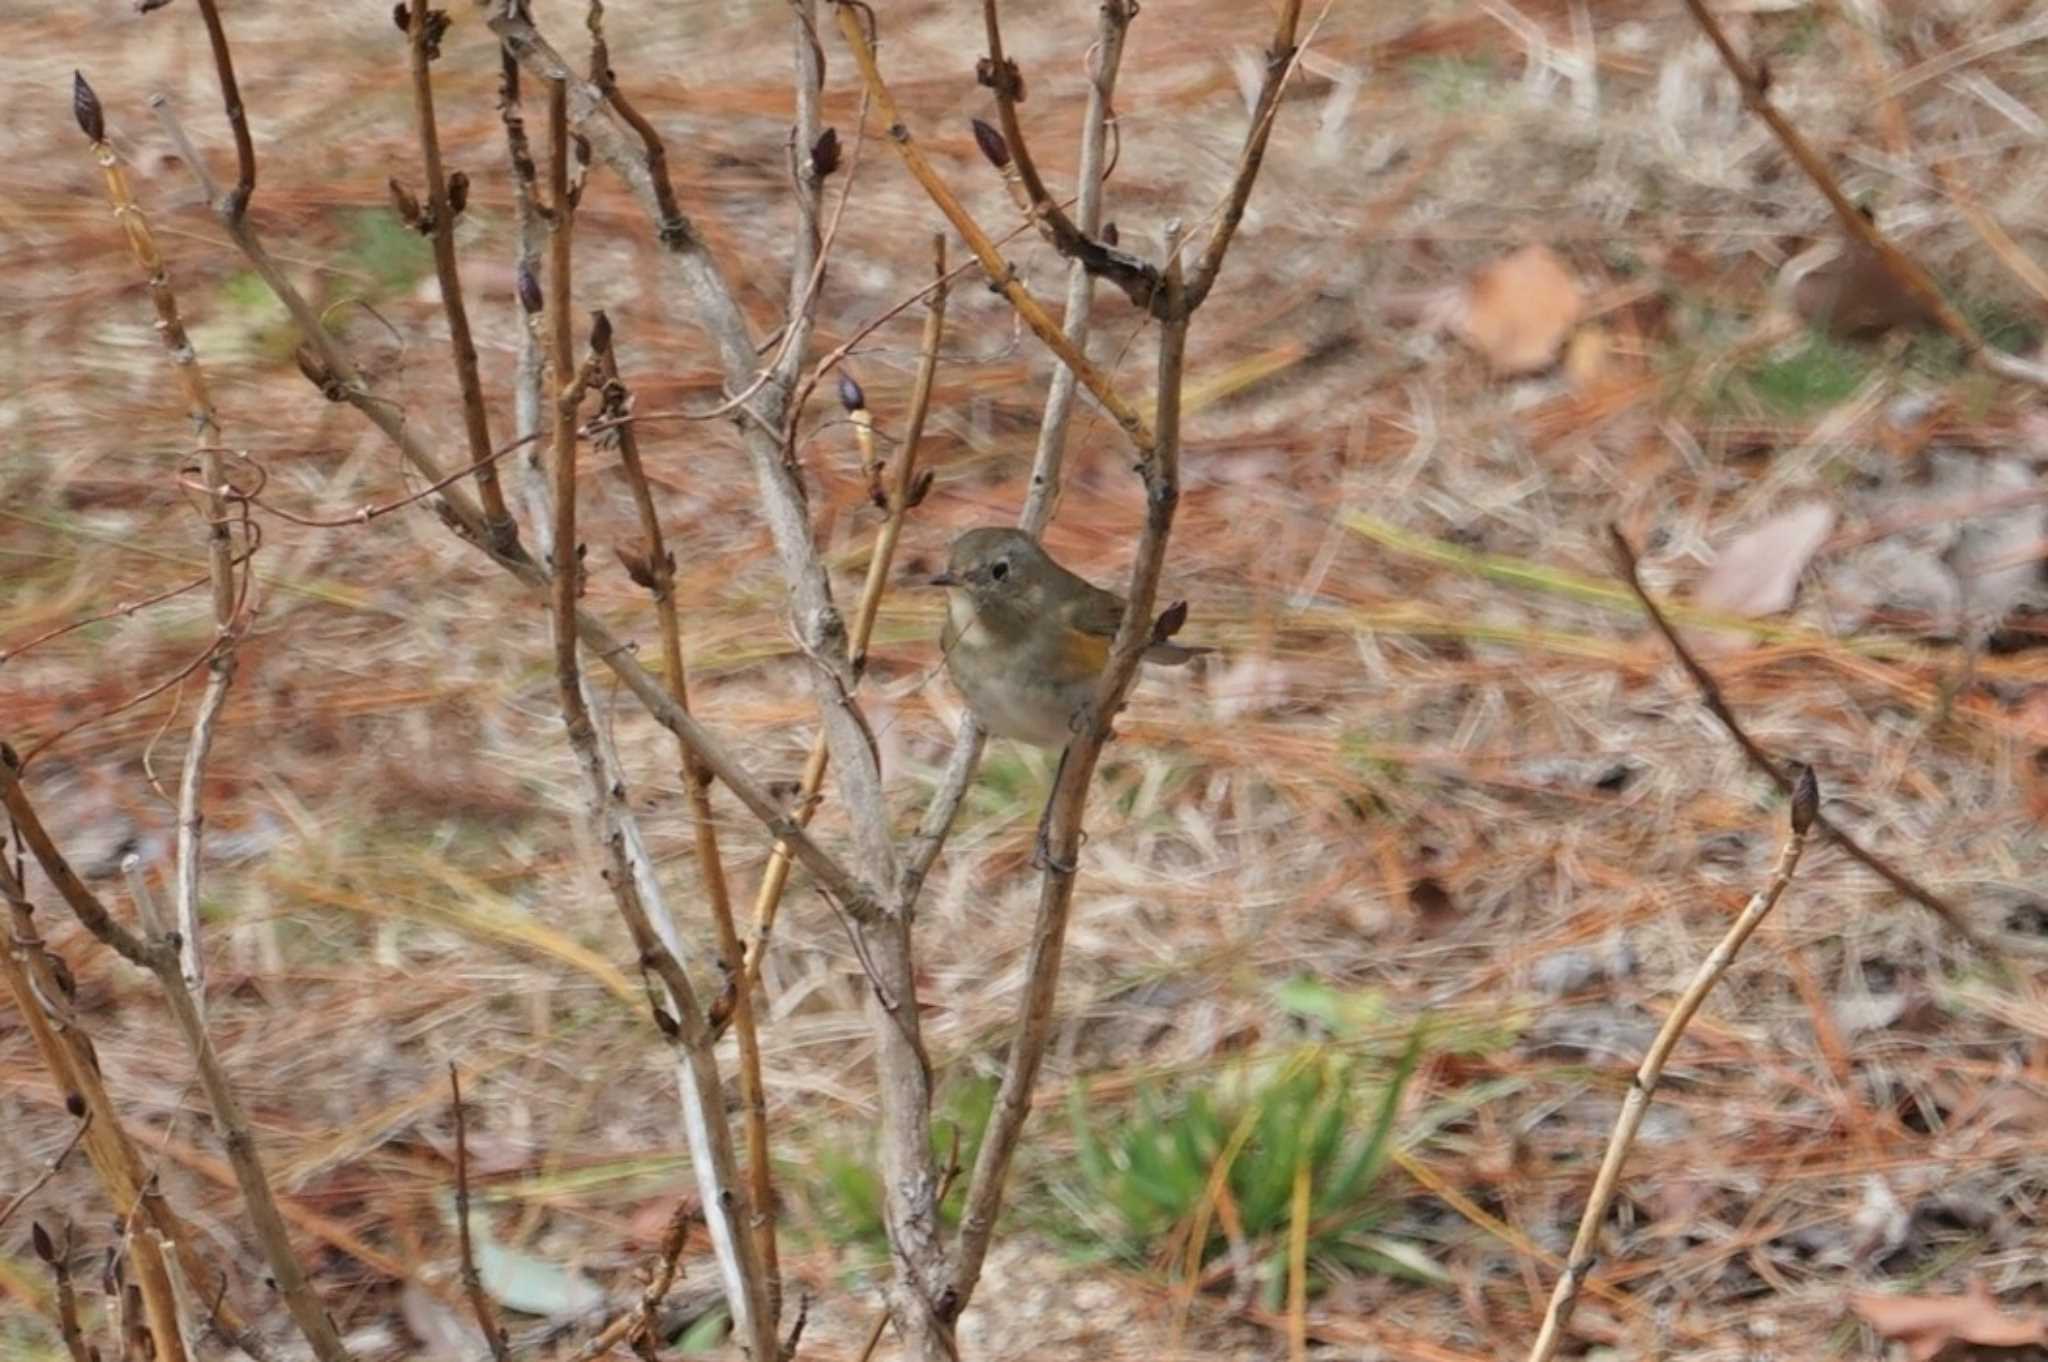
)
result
[(1927, 1324), (1519, 310), (1587, 359), (1758, 572), (1854, 296)]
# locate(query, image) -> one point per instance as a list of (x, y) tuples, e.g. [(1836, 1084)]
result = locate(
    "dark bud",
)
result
[(1109, 234), (1805, 799), (635, 561), (1763, 77), (850, 395), (878, 495), (582, 145), (722, 1006), (403, 203), (458, 192), (9, 758), (1169, 622), (528, 288), (600, 332), (74, 1105), (666, 1024), (920, 489), (46, 1248), (992, 144), (825, 154), (1008, 79), (401, 14), (85, 107), (149, 6), (437, 28), (60, 974)]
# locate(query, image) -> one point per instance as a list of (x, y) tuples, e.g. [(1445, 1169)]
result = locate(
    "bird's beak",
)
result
[(944, 579)]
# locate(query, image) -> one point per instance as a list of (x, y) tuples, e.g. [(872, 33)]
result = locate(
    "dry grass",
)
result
[(1482, 793)]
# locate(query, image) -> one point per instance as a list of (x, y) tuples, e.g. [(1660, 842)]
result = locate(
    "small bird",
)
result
[(1025, 639)]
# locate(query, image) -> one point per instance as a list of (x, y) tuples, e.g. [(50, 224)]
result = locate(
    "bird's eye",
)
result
[(998, 570)]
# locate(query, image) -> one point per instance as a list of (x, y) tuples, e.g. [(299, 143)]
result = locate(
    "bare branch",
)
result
[(41, 991), (900, 487), (160, 957), (472, 1282), (1636, 1105), (1279, 63), (1138, 280), (236, 203), (221, 559), (1710, 696), (710, 1136), (657, 573), (424, 38), (1000, 275), (1160, 469), (1114, 22)]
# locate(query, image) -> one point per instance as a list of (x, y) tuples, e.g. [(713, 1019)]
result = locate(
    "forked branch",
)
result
[(1805, 808)]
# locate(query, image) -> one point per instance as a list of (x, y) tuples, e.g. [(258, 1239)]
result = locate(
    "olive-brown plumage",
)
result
[(1026, 640)]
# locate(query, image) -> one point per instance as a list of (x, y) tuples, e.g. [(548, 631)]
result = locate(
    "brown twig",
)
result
[(1805, 807), (160, 957), (472, 1281), (1159, 467), (901, 482), (57, 1257), (657, 572), (423, 35), (42, 998), (710, 1136), (1711, 697), (20, 1199), (236, 203), (1113, 25), (221, 558), (1755, 87), (1280, 56), (1003, 278), (1138, 280)]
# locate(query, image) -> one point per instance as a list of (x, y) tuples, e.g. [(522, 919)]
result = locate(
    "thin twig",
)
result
[(472, 1281), (901, 482), (160, 957), (1805, 806), (235, 204), (1138, 280), (220, 554), (41, 991), (1159, 466), (710, 1135), (1000, 275), (20, 1199), (1755, 87), (1113, 24), (1711, 697), (424, 39), (657, 572), (1280, 56), (58, 1258)]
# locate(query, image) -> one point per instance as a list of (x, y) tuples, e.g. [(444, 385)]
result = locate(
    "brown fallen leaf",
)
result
[(1758, 572), (1518, 311), (1856, 297), (1928, 1324)]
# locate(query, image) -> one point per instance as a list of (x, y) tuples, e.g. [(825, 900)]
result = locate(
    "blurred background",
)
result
[(1514, 270)]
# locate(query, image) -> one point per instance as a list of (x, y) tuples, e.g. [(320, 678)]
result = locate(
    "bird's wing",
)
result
[(1095, 611)]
